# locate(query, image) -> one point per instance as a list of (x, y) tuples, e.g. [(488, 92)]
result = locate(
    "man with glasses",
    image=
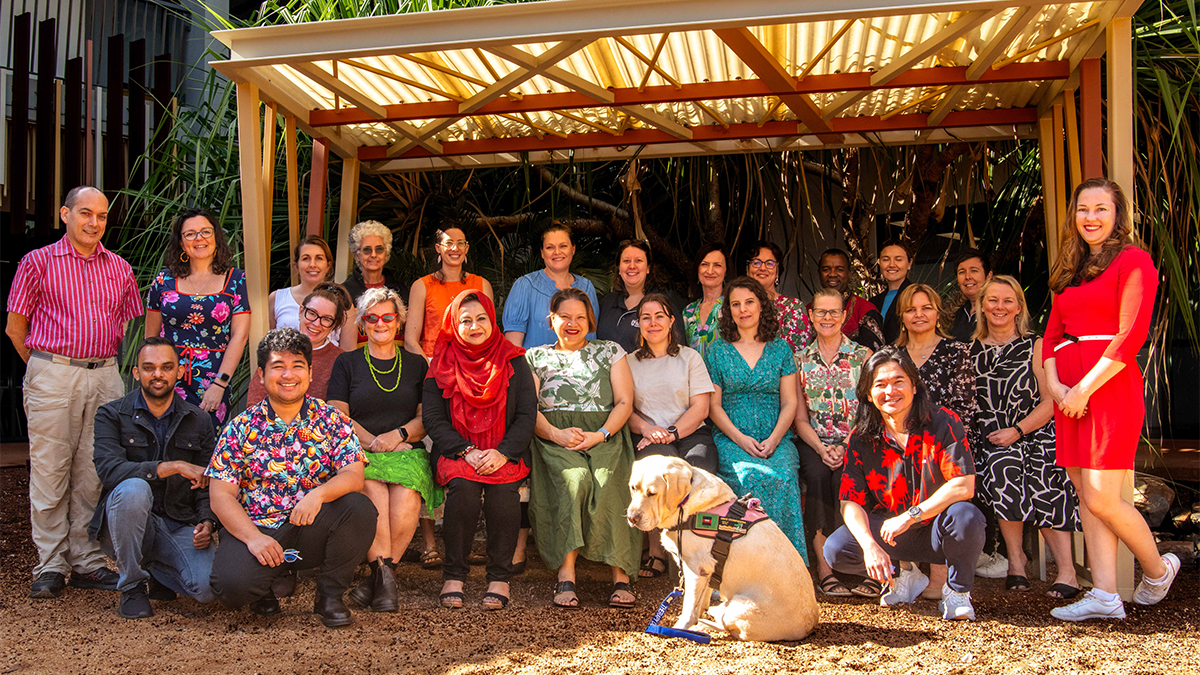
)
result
[(864, 323), (67, 312)]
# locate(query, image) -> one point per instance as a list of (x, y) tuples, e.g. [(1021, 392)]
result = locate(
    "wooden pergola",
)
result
[(591, 80)]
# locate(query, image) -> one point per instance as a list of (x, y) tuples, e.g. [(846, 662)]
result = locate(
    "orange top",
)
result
[(438, 296)]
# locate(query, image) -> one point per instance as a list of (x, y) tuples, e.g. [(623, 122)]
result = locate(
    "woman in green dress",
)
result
[(702, 316), (582, 452), (380, 387)]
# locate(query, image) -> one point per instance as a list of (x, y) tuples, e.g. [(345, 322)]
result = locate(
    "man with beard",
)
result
[(864, 323), (153, 517)]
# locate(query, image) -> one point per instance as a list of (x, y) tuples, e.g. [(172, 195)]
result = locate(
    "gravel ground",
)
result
[(81, 633)]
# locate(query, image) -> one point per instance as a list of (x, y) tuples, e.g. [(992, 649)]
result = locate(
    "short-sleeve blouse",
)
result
[(794, 326), (702, 331), (831, 388), (577, 381)]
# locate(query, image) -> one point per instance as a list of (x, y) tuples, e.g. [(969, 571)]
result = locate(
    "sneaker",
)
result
[(158, 591), (906, 587), (956, 606), (100, 579), (135, 603), (1150, 593), (991, 566), (48, 585), (1090, 607)]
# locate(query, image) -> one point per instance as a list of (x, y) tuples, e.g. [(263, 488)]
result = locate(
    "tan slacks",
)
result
[(60, 405)]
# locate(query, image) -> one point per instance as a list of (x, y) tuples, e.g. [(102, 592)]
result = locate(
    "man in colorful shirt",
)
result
[(906, 490), (286, 481), (67, 312), (864, 323)]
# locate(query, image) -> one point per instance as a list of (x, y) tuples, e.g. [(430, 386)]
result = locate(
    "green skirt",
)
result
[(409, 468), (577, 500)]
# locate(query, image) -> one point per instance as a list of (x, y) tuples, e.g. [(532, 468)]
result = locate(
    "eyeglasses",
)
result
[(822, 313), (312, 315), (377, 250), (206, 233), (460, 245), (769, 264), (376, 318)]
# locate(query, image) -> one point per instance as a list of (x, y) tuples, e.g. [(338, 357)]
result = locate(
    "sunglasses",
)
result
[(376, 250), (206, 233), (376, 318), (312, 315)]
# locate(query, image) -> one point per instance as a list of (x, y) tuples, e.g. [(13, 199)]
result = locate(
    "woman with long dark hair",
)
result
[(432, 294), (766, 267)]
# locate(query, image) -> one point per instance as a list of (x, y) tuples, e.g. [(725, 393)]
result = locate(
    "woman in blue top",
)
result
[(894, 263), (527, 307), (754, 404)]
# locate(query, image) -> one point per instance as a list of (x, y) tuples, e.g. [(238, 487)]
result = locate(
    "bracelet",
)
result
[(1020, 434), (219, 384)]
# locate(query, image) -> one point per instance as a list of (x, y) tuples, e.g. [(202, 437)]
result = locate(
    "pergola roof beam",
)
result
[(1043, 44), (812, 63), (995, 48), (1091, 46)]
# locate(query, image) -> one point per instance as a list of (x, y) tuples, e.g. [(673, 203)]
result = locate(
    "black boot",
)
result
[(363, 594), (332, 610), (384, 579)]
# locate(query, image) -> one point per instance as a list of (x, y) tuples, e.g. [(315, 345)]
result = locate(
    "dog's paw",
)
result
[(683, 624)]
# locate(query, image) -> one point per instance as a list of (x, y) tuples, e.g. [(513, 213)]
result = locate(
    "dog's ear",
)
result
[(708, 489), (679, 483)]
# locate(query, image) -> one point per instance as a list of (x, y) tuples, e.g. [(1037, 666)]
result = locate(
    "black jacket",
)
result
[(126, 447), (619, 324), (963, 329), (891, 321), (520, 417), (355, 286)]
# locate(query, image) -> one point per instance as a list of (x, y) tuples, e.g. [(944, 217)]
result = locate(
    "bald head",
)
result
[(74, 195), (85, 213)]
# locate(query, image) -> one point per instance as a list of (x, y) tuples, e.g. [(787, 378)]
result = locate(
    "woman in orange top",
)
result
[(434, 292)]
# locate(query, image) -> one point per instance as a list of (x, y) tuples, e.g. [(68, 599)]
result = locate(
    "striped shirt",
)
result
[(76, 306)]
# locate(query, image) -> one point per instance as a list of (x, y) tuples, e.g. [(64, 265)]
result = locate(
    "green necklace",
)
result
[(375, 373)]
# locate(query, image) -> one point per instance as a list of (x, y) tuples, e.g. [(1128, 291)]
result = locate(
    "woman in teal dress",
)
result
[(703, 315), (754, 405)]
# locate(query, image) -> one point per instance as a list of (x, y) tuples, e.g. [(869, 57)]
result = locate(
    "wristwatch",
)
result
[(605, 432), (223, 378), (674, 432), (403, 434), (915, 514)]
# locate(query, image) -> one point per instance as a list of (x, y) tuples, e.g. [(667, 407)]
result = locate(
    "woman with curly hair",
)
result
[(198, 302), (754, 404)]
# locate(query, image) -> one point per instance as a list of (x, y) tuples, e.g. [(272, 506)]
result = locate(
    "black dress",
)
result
[(949, 374)]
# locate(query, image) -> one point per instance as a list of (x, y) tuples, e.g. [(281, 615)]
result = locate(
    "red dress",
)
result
[(1118, 302)]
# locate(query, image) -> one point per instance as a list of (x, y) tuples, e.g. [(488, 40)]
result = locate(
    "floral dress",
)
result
[(200, 326), (949, 374), (750, 397), (701, 333), (794, 326)]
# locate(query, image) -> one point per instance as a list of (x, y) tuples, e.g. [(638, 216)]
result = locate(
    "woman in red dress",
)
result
[(1104, 289)]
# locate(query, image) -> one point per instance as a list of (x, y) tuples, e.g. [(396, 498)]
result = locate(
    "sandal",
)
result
[(566, 587), (431, 559), (867, 588), (1016, 582), (518, 568), (477, 559), (650, 570), (618, 587), (498, 601), (831, 586), (451, 600), (1063, 592)]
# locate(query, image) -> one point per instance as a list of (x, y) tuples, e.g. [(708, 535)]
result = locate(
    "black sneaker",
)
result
[(160, 592), (99, 579), (135, 604), (48, 585)]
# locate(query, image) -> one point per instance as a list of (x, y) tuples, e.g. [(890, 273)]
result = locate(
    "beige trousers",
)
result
[(60, 405)]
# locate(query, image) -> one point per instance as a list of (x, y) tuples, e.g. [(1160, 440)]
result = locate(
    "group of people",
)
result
[(918, 435)]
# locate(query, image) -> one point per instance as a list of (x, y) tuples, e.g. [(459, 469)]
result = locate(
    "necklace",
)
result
[(376, 373)]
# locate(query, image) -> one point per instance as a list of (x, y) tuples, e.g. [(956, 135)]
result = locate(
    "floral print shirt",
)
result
[(577, 381), (830, 388), (794, 326), (275, 464), (701, 332)]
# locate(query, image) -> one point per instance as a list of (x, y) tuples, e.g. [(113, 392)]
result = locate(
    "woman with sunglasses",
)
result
[(632, 281), (199, 303), (764, 267), (313, 261), (371, 245), (322, 315), (433, 293), (380, 388)]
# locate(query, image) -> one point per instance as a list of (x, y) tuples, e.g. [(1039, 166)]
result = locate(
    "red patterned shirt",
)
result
[(76, 305), (882, 477)]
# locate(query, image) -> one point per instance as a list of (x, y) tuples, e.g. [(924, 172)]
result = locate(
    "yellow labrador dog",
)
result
[(766, 592)]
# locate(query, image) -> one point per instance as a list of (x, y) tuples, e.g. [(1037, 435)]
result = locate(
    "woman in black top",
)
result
[(618, 319)]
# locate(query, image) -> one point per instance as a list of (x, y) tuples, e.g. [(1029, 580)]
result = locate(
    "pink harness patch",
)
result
[(709, 523)]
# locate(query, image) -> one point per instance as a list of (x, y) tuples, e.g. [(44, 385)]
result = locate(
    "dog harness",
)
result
[(723, 524)]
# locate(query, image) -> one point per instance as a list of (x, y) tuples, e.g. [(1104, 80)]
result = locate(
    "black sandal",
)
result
[(447, 599), (501, 600), (566, 587), (1063, 592), (1016, 582), (830, 586), (650, 569), (617, 587), (867, 588)]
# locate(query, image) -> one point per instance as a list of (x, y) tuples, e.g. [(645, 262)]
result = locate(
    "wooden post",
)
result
[(1091, 119), (1073, 159), (268, 167), (318, 178), (347, 217), (1060, 164), (293, 191), (1049, 193), (1120, 106), (256, 235)]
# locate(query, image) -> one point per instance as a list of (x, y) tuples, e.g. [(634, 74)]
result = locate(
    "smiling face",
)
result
[(633, 268), (452, 247), (199, 238), (1000, 307), (317, 318), (371, 254), (894, 263), (971, 277), (892, 391), (312, 264), (156, 371), (570, 324), (286, 377), (745, 309), (712, 271), (474, 324), (1095, 217), (386, 321), (764, 269), (557, 251), (834, 271), (827, 315), (86, 219), (655, 324), (921, 317)]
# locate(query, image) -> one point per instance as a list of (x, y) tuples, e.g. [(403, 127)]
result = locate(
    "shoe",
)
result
[(494, 601), (267, 605), (284, 585), (135, 603), (991, 566), (1090, 607), (333, 611), (100, 579), (158, 592), (48, 585), (384, 578), (363, 593), (906, 587), (518, 568), (956, 606), (1148, 593), (431, 559), (451, 600)]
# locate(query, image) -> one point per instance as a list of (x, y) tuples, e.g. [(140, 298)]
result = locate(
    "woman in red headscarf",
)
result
[(480, 408)]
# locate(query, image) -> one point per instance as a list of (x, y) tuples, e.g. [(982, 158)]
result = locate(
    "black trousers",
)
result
[(334, 543), (697, 448), (501, 504)]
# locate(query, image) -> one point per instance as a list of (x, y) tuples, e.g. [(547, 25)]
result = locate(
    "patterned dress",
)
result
[(702, 333), (200, 326), (1021, 482), (949, 374), (794, 326), (578, 500), (750, 397)]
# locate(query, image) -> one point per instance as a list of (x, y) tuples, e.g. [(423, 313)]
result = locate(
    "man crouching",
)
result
[(287, 475)]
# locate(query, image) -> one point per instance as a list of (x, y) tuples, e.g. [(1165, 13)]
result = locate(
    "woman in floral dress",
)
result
[(764, 267), (700, 318), (198, 302)]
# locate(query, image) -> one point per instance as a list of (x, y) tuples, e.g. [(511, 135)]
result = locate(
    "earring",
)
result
[(183, 257)]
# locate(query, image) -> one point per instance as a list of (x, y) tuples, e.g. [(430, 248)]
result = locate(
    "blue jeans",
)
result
[(145, 544), (954, 538)]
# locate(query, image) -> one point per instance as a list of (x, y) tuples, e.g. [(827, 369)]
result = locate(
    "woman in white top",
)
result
[(314, 263), (671, 393)]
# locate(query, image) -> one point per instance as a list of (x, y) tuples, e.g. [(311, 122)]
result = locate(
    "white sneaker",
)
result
[(1148, 593), (906, 587), (956, 606), (1090, 607), (991, 566)]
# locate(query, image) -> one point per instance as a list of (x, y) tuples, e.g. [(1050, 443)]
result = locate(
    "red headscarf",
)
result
[(474, 378)]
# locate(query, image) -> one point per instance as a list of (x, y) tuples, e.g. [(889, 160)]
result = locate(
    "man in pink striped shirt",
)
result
[(66, 317)]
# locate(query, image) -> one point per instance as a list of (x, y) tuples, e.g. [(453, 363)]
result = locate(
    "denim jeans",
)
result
[(145, 544)]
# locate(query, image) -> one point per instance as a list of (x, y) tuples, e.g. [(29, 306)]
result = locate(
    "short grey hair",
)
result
[(369, 228), (374, 296)]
